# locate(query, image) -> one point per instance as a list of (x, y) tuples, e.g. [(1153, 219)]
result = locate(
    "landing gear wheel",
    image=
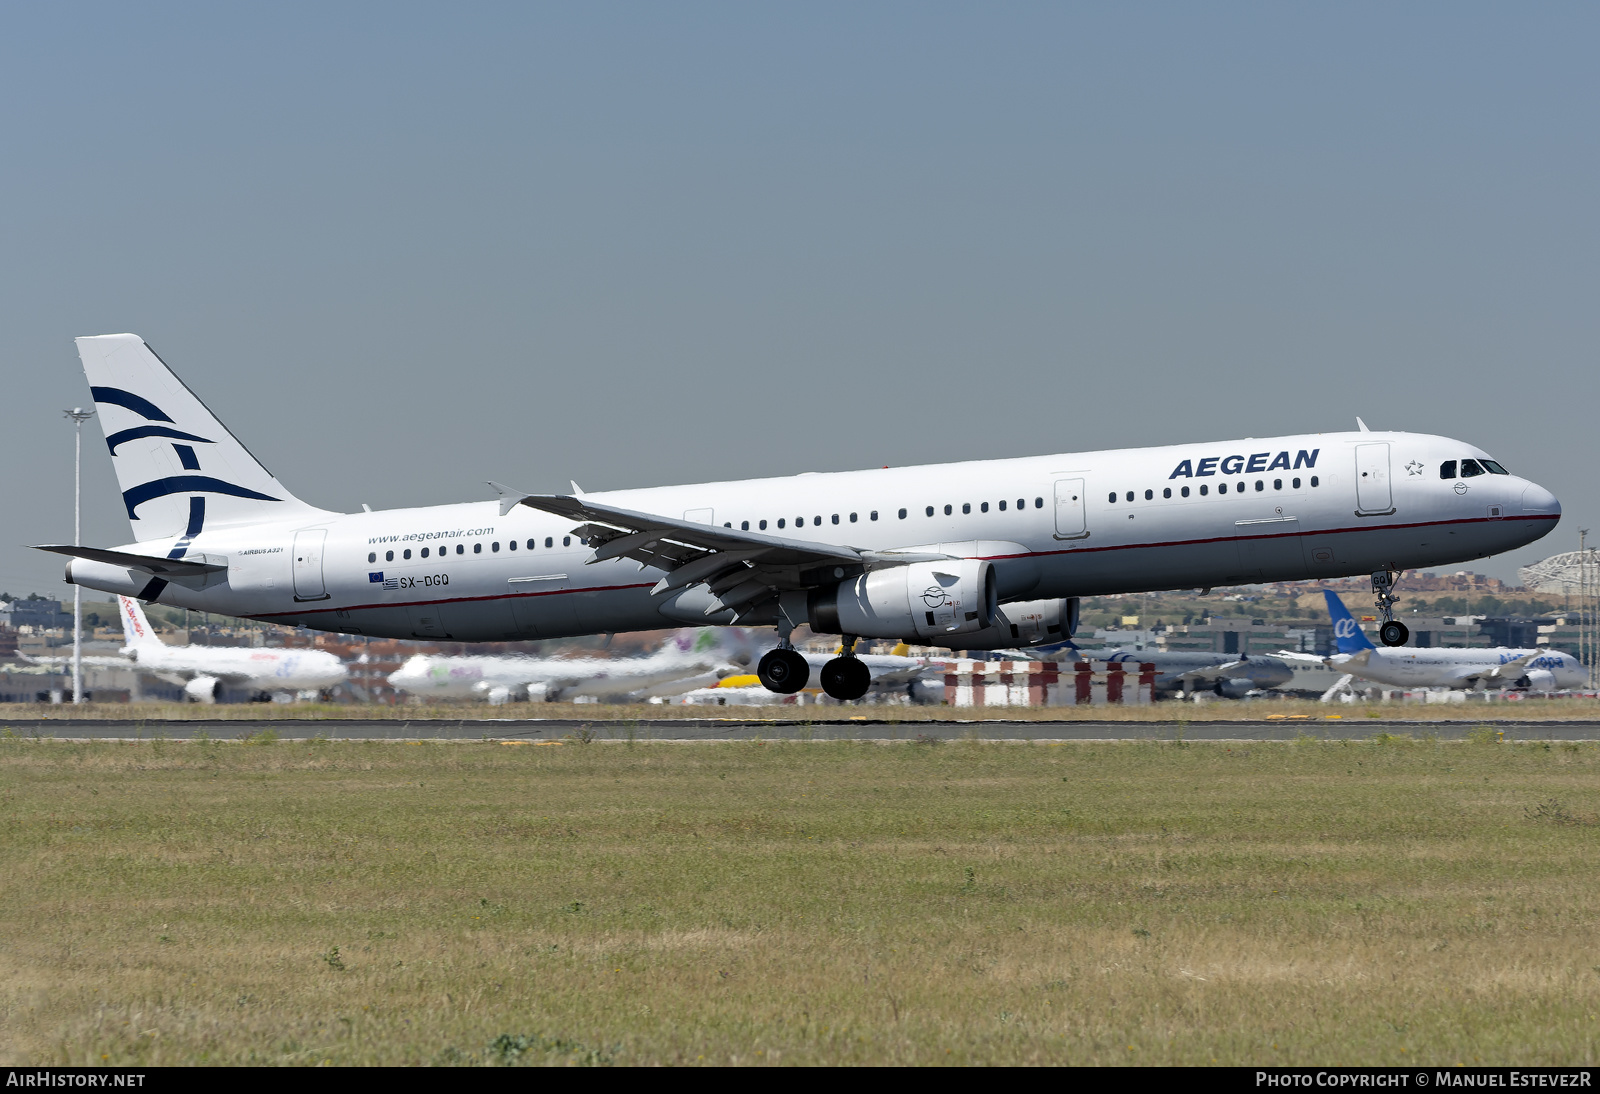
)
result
[(783, 671), (1394, 633), (846, 678)]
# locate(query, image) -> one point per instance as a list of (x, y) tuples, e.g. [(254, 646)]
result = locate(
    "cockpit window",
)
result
[(1447, 469), (1493, 468), (1469, 468)]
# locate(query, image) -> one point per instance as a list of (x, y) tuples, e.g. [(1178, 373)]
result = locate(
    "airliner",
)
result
[(203, 670), (687, 660), (1534, 670), (945, 555)]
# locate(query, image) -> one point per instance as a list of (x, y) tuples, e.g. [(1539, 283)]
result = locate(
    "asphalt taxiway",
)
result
[(740, 729)]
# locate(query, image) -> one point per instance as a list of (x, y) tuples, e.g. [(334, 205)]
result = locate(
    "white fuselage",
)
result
[(256, 669), (1403, 666), (1317, 506)]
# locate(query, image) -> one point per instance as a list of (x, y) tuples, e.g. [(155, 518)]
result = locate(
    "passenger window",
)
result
[(762, 526), (874, 514), (495, 546), (1022, 503), (780, 522), (1470, 469), (948, 510), (744, 526), (817, 520), (1260, 486), (966, 507), (477, 548), (461, 548), (1277, 484), (1038, 503), (372, 556), (852, 518), (1203, 490), (1130, 495), (727, 524), (930, 510), (984, 508), (902, 514), (549, 541), (511, 544), (1112, 497), (799, 522), (1166, 492), (1493, 468), (1296, 484), (1222, 488), (406, 553), (566, 541), (1149, 495), (424, 552), (1447, 469), (1313, 480), (1002, 505), (1184, 491), (835, 519), (388, 556)]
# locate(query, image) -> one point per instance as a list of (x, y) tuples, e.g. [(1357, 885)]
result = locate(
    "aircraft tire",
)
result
[(846, 678), (1394, 633), (783, 671)]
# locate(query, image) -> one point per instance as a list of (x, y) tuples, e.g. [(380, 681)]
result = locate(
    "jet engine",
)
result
[(1028, 623), (202, 689), (1235, 688), (928, 600), (1538, 680)]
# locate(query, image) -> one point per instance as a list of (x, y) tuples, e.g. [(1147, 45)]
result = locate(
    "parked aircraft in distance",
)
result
[(1230, 675), (949, 554), (1410, 667), (203, 670), (688, 659)]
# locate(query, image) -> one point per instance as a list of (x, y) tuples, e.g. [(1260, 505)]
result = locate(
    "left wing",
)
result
[(1486, 674), (741, 569)]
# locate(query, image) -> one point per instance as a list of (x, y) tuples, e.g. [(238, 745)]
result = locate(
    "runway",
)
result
[(734, 729)]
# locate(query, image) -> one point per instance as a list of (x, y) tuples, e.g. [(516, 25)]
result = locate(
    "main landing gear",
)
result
[(783, 670), (845, 677), (1392, 632)]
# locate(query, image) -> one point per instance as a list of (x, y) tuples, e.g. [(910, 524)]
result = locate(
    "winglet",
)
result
[(1362, 425), (576, 489), (509, 498)]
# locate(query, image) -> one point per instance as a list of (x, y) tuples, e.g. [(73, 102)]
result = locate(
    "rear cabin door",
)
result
[(1373, 494), (1070, 520), (308, 565)]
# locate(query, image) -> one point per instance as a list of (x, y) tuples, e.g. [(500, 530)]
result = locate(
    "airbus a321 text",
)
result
[(946, 555)]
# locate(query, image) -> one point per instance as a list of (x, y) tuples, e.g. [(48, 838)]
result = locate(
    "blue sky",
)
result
[(402, 249)]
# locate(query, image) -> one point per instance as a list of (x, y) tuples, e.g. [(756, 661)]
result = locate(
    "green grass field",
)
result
[(1388, 901)]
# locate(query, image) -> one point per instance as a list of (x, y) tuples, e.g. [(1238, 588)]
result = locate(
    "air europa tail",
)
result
[(179, 468), (1347, 633), (136, 630)]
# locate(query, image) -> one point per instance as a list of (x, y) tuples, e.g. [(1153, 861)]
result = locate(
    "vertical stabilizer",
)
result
[(179, 468), (1347, 633), (136, 630)]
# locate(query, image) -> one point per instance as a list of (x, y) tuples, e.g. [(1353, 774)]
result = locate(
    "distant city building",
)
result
[(40, 614)]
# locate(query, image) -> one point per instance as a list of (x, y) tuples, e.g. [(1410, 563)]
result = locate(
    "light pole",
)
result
[(78, 416)]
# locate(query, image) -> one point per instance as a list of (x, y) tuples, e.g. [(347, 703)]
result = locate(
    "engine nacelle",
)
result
[(1538, 680), (930, 601), (202, 689), (1028, 623), (1236, 688)]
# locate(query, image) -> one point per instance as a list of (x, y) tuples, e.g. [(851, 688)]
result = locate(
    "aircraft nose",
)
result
[(1536, 499)]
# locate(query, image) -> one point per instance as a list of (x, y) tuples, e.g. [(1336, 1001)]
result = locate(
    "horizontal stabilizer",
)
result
[(149, 564)]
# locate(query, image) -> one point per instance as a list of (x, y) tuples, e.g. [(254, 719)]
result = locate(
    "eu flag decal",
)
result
[(376, 579)]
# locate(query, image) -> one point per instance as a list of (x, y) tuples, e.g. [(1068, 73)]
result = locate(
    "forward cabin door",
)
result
[(1373, 493), (1070, 520), (308, 565)]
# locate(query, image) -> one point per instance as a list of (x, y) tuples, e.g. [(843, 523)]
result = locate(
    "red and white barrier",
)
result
[(1047, 683)]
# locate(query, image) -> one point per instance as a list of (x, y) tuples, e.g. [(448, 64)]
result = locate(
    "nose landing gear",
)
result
[(845, 677), (1392, 632)]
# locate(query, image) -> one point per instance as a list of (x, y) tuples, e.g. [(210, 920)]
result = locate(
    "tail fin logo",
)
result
[(1347, 633)]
